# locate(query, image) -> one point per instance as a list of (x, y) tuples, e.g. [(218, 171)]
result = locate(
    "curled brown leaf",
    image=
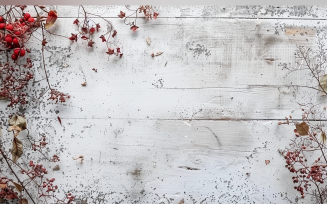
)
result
[(51, 19), (302, 128), (17, 149)]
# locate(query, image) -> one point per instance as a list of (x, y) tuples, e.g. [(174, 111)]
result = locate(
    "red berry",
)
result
[(31, 20), (16, 51), (1, 19), (22, 24), (2, 25), (14, 57), (21, 20), (8, 39), (27, 16), (15, 41), (22, 52), (9, 27), (17, 33)]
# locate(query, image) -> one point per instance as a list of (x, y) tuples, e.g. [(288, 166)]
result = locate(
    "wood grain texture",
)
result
[(188, 124)]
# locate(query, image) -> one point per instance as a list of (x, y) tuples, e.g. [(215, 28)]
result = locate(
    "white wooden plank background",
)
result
[(211, 102)]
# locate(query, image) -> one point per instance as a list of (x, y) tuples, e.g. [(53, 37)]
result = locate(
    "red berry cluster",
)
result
[(70, 198), (14, 81), (16, 33), (296, 163), (5, 192), (55, 158), (41, 144), (48, 184), (37, 170), (57, 95)]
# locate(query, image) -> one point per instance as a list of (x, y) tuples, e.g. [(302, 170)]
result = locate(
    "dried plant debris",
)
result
[(56, 168), (302, 128), (148, 40), (157, 54)]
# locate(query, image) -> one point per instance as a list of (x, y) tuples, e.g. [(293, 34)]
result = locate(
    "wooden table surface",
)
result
[(195, 123)]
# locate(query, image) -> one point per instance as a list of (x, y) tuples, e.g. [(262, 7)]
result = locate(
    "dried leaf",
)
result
[(267, 162), (103, 38), (155, 15), (110, 51), (3, 185), (181, 202), (114, 34), (90, 43), (18, 186), (52, 17), (121, 15), (323, 137), (159, 53), (59, 119), (302, 128), (148, 40), (56, 168), (323, 84), (17, 149), (83, 84), (18, 121), (24, 201), (134, 27)]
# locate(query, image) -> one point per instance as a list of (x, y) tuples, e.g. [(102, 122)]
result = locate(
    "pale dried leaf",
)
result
[(17, 149), (159, 53), (267, 162), (83, 84), (18, 121), (302, 128), (323, 137), (18, 186), (79, 157), (51, 19), (3, 185), (56, 168), (323, 84), (148, 40), (181, 202), (24, 201)]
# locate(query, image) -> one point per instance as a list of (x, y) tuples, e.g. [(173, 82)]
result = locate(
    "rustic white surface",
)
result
[(188, 124)]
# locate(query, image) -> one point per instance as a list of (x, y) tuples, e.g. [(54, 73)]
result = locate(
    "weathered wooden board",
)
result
[(188, 124), (205, 11)]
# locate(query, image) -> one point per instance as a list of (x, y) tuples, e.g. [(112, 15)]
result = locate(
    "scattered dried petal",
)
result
[(76, 21), (134, 27), (90, 43), (110, 51), (148, 40), (103, 38), (159, 53), (114, 34), (84, 37), (155, 15), (73, 37), (83, 84), (59, 119), (121, 15), (267, 162)]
